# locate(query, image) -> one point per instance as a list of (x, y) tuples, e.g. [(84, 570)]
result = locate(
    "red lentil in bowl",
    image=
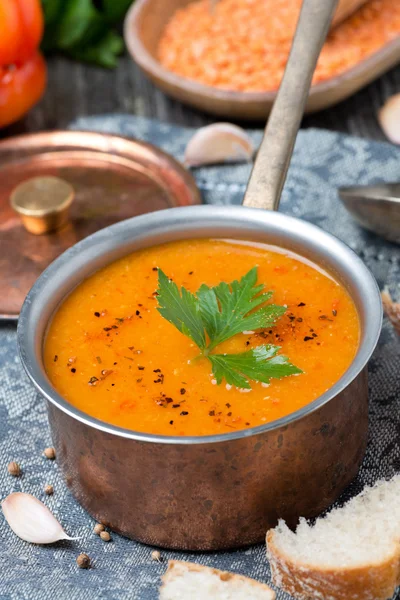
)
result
[(243, 45)]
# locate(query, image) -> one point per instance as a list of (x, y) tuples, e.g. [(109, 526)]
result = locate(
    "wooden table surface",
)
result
[(76, 90)]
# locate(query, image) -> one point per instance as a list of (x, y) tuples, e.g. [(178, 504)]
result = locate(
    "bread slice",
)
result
[(353, 553), (189, 581)]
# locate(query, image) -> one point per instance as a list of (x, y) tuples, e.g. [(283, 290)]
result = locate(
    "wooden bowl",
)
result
[(143, 28)]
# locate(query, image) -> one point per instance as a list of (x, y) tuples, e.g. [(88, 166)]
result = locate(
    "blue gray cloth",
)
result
[(123, 569)]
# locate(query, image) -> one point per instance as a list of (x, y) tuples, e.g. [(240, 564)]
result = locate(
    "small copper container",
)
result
[(43, 203), (218, 491)]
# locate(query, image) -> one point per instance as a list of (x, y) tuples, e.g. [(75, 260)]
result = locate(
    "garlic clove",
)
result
[(218, 143), (392, 309), (389, 118), (31, 520)]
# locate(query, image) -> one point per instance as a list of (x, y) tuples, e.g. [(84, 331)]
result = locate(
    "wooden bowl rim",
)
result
[(148, 63)]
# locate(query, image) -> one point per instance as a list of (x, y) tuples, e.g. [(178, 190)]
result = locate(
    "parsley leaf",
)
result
[(181, 309), (86, 30), (215, 314), (258, 364), (226, 308)]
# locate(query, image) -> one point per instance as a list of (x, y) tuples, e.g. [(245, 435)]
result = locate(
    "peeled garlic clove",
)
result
[(389, 119), (31, 520), (218, 143)]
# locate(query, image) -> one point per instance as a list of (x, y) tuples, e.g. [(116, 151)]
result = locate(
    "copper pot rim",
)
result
[(30, 347)]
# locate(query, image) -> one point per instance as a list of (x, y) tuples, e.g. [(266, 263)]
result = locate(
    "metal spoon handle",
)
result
[(269, 172)]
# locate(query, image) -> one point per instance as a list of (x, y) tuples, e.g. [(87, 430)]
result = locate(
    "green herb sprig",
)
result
[(86, 30), (215, 314)]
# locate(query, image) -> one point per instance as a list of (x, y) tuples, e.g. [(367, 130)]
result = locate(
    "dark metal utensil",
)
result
[(375, 207)]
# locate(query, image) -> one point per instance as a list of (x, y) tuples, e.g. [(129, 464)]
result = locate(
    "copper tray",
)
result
[(114, 178)]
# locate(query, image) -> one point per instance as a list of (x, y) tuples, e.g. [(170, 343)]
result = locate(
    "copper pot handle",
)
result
[(269, 172)]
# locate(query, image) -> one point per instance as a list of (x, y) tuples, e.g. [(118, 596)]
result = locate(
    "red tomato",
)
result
[(21, 29), (20, 88)]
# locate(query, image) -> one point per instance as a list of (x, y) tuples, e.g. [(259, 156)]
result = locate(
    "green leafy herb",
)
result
[(84, 29), (226, 309), (104, 52), (181, 309), (258, 364), (215, 314)]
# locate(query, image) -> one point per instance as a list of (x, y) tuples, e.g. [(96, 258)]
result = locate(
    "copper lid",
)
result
[(112, 177)]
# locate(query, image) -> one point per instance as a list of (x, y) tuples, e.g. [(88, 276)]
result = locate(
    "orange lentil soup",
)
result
[(111, 354), (244, 45)]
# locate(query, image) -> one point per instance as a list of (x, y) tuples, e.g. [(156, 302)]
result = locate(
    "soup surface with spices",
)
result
[(256, 333)]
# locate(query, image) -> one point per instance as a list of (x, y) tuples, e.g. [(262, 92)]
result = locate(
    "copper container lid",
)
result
[(112, 178)]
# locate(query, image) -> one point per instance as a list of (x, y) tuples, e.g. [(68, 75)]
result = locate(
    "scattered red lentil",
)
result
[(244, 44)]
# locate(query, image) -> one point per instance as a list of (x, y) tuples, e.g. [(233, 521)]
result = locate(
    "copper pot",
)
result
[(221, 491)]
